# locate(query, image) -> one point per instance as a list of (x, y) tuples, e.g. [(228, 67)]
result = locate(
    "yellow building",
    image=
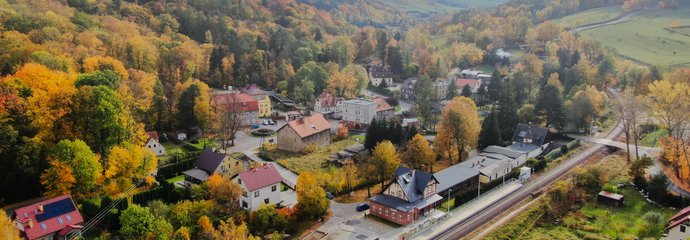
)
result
[(261, 97)]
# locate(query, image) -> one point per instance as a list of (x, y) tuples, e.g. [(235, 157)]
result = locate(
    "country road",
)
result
[(624, 18), (470, 224)]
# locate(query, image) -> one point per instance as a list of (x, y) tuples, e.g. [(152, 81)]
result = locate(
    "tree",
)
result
[(125, 163), (206, 230), (360, 74), (630, 109), (74, 169), (230, 230), (452, 90), (534, 69), (311, 198), (138, 222), (223, 190), (549, 105), (490, 133), (311, 71), (424, 94), (7, 229), (418, 153), (106, 78), (342, 132), (97, 118), (266, 220), (96, 63), (228, 119), (658, 187), (466, 91), (459, 128), (580, 111), (185, 106), (385, 161), (669, 103), (343, 84), (639, 166)]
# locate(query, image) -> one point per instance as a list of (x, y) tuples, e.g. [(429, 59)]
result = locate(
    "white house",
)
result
[(153, 144), (379, 74), (260, 185), (357, 110), (678, 226), (503, 54)]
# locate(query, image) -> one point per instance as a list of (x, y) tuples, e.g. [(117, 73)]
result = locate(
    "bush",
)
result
[(610, 188)]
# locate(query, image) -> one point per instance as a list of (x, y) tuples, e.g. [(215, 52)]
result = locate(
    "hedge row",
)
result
[(174, 169), (166, 192)]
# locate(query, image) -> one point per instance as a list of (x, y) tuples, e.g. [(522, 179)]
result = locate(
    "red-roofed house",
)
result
[(154, 145), (473, 83), (260, 185), (327, 104), (679, 225), (50, 219), (383, 109), (240, 103), (300, 133)]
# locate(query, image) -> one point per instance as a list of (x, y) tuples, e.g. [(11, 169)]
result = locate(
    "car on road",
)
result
[(362, 207), (271, 122), (329, 195), (265, 122), (255, 126)]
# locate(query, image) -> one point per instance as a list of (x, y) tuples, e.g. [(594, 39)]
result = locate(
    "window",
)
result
[(239, 180), (69, 219), (682, 228), (386, 213), (379, 211), (266, 200), (256, 194), (273, 189), (222, 168), (154, 145), (59, 220), (43, 225), (399, 217), (244, 204)]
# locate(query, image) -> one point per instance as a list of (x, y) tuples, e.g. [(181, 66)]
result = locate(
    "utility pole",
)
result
[(448, 207)]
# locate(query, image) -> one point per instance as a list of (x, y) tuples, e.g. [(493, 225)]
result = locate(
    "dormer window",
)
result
[(59, 220), (43, 225), (69, 219)]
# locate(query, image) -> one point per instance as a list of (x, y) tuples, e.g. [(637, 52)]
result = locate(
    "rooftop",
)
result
[(310, 125), (49, 216), (381, 104), (453, 175), (209, 160), (260, 177), (235, 102), (403, 205), (360, 102)]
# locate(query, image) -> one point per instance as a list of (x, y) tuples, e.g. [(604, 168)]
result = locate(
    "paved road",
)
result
[(625, 18), (470, 224)]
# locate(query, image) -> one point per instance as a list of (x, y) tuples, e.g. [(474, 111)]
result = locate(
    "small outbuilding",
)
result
[(611, 199)]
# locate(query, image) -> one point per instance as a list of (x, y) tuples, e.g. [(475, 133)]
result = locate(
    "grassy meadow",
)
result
[(646, 40), (428, 6), (590, 16)]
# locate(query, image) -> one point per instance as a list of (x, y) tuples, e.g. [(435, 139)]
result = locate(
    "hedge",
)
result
[(174, 169), (166, 192)]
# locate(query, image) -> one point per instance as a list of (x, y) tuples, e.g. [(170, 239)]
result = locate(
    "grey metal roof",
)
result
[(521, 147), (539, 135), (209, 160), (504, 151), (413, 182), (454, 175), (197, 174), (402, 205)]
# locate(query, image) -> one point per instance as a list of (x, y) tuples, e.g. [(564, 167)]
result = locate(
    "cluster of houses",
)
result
[(471, 78), (413, 193)]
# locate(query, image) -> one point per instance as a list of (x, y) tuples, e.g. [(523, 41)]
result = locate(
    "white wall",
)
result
[(676, 234), (253, 203), (155, 147)]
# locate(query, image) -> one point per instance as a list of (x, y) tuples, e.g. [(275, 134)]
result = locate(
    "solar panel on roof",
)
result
[(55, 209)]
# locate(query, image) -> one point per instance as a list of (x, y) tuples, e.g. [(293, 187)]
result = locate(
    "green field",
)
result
[(590, 16), (644, 38), (427, 6)]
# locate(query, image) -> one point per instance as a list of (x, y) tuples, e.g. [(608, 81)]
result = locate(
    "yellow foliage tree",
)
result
[(311, 198), (418, 153), (555, 81), (206, 230), (125, 163), (223, 190), (676, 152), (96, 63), (342, 84), (385, 160), (669, 103), (458, 130), (7, 229), (229, 230), (58, 179)]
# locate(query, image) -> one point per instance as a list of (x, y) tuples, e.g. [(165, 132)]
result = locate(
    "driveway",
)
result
[(245, 141), (347, 223)]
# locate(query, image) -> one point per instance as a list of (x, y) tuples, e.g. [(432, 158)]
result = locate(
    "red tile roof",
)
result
[(241, 102), (259, 177), (328, 100), (381, 104), (461, 82), (153, 134), (310, 125), (55, 210), (679, 218)]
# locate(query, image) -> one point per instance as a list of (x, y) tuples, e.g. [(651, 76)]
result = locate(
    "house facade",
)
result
[(327, 104), (154, 145), (383, 109), (358, 111), (379, 74), (474, 84), (55, 218), (260, 185), (410, 196), (407, 89), (212, 162), (261, 97), (238, 103), (302, 132), (678, 226)]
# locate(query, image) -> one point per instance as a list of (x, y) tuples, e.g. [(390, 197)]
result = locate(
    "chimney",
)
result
[(40, 207), (31, 223)]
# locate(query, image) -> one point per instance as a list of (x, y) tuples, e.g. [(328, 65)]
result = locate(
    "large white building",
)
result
[(261, 185), (357, 110), (379, 74)]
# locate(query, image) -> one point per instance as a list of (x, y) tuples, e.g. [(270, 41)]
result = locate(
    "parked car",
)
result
[(329, 195), (255, 126), (271, 122), (362, 207), (265, 122)]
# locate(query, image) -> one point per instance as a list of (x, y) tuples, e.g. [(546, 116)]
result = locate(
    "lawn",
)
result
[(297, 162), (590, 16), (652, 139), (444, 205), (646, 40), (175, 179), (427, 6)]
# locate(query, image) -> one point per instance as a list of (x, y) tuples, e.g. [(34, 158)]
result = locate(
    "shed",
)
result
[(612, 199)]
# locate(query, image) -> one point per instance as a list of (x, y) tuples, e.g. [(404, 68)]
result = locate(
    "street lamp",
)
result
[(479, 187)]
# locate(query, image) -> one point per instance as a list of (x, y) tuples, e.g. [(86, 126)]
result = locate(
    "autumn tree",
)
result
[(466, 91), (669, 103), (343, 84), (385, 161), (549, 105), (106, 78), (309, 72), (74, 170), (418, 153), (676, 152), (266, 220), (229, 229), (452, 91), (490, 133), (311, 198), (138, 222), (96, 118), (630, 108), (100, 63), (459, 128), (223, 190), (7, 229), (125, 164), (193, 106)]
